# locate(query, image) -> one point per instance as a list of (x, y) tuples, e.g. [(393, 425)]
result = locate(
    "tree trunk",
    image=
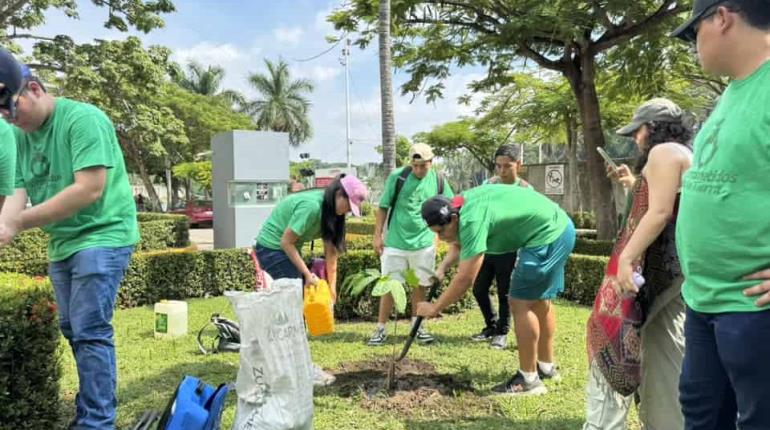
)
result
[(132, 151), (572, 164), (386, 90), (581, 74)]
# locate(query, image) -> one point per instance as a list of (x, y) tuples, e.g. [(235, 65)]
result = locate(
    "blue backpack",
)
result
[(194, 406)]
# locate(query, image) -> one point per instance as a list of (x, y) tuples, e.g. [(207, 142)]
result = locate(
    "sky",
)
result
[(239, 34)]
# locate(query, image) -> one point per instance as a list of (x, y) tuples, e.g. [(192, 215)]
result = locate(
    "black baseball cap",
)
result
[(437, 211), (686, 31), (13, 76)]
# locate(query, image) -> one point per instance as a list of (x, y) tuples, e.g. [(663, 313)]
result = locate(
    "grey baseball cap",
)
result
[(658, 109), (686, 31)]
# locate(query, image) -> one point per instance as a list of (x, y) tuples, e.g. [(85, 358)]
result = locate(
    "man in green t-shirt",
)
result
[(496, 219), (7, 161), (408, 243), (723, 229), (71, 168)]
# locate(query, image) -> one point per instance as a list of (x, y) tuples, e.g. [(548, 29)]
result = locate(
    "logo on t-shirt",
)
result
[(708, 149), (39, 165)]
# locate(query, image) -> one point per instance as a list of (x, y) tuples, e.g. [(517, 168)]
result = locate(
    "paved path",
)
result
[(203, 237)]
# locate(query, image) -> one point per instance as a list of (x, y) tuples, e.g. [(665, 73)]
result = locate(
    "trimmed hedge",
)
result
[(183, 274), (179, 227), (584, 220), (29, 361), (359, 227), (585, 246), (158, 231), (583, 276)]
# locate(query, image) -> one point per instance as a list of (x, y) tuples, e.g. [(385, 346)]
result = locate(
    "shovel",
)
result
[(413, 333)]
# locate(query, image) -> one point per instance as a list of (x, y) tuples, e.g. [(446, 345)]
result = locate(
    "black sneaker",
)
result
[(518, 386), (378, 337), (485, 335), (553, 375)]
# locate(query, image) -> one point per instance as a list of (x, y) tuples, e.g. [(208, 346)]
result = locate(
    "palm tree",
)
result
[(386, 89), (283, 105), (207, 81)]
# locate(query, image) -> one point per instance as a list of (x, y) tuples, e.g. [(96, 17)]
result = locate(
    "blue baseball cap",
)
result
[(13, 76)]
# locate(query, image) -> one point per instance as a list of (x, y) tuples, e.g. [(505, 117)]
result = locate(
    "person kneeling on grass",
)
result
[(499, 219)]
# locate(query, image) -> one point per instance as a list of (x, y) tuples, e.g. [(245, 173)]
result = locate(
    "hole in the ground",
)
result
[(368, 378), (417, 389)]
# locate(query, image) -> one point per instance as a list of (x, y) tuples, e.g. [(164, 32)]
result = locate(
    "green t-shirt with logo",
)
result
[(723, 226), (7, 159), (75, 137), (301, 212), (498, 219), (407, 230)]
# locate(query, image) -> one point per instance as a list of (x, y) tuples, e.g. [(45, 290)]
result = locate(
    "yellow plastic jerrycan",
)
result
[(318, 309)]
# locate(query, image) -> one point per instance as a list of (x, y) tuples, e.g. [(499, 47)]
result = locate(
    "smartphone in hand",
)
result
[(606, 157)]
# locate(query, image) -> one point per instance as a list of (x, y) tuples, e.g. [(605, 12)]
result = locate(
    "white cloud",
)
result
[(209, 53), (318, 73), (291, 36)]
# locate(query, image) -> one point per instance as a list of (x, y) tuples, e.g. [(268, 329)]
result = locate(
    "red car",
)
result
[(199, 212)]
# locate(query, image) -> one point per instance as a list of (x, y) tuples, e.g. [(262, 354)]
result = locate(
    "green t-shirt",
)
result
[(723, 229), (75, 137), (301, 212), (407, 230), (498, 219), (7, 159)]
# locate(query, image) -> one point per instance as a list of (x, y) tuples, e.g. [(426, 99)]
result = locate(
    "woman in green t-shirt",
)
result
[(305, 216)]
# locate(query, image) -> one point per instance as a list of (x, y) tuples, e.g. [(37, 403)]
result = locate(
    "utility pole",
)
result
[(346, 62)]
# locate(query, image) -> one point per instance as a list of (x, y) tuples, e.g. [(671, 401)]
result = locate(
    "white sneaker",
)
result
[(499, 341), (322, 378)]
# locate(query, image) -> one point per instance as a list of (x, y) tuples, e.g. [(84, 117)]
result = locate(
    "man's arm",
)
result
[(84, 191), (87, 188), (450, 258)]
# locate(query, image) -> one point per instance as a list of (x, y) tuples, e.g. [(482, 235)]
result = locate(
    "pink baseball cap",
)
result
[(356, 191)]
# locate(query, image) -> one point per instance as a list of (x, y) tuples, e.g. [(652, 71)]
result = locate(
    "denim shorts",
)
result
[(539, 273)]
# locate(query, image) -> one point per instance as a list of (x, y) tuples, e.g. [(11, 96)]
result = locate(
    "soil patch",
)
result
[(418, 389)]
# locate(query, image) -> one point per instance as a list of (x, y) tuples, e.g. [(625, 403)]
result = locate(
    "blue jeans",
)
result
[(86, 286), (724, 375), (276, 263)]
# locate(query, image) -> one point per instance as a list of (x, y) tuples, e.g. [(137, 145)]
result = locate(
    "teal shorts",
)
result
[(539, 273)]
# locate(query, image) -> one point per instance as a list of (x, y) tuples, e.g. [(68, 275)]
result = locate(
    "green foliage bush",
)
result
[(585, 246), (583, 220), (360, 227), (29, 361), (180, 231), (158, 231), (583, 276), (182, 274)]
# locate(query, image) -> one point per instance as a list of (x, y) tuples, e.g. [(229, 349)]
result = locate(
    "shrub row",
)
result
[(158, 231), (29, 362), (585, 246), (584, 220)]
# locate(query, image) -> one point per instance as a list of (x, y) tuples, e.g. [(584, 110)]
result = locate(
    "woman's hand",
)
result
[(310, 279), (625, 278), (623, 175)]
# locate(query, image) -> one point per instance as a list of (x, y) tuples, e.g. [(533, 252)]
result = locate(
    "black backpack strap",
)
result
[(440, 183), (399, 184)]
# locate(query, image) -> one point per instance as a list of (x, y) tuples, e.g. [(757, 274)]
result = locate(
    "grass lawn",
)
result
[(149, 370)]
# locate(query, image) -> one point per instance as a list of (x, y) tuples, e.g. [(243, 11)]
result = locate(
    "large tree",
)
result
[(565, 36), (282, 104), (19, 18), (128, 82)]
